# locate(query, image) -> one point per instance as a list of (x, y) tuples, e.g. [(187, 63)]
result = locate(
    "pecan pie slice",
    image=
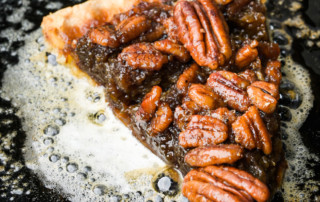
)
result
[(195, 80)]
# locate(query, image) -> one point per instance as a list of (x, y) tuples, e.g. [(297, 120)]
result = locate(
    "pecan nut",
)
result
[(203, 130), (231, 88), (219, 186), (104, 36), (203, 31), (223, 183), (248, 75), (187, 77), (224, 114), (214, 154), (273, 72), (169, 47), (143, 56), (203, 96), (251, 132), (162, 119), (132, 28), (183, 113), (264, 95), (149, 104), (246, 54)]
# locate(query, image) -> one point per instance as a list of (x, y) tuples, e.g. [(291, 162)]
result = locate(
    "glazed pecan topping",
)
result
[(251, 132), (187, 77), (143, 56), (203, 130), (223, 2), (222, 191), (224, 114), (169, 47), (222, 183), (104, 36), (246, 54), (248, 75), (214, 154), (231, 88), (162, 119), (183, 113), (132, 27), (203, 96), (171, 29), (203, 31), (264, 95), (273, 72), (153, 34), (149, 104)]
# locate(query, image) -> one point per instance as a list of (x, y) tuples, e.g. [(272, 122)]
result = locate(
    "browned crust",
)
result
[(62, 27)]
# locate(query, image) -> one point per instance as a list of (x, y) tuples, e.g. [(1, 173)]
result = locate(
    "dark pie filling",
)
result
[(126, 86)]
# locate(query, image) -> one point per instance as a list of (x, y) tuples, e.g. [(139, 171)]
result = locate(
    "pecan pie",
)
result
[(195, 80)]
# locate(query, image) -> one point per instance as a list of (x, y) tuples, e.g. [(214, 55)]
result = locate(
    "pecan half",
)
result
[(224, 114), (203, 96), (269, 51), (203, 31), (104, 36), (171, 29), (183, 113), (264, 95), (162, 119), (198, 175), (231, 88), (240, 180), (153, 34), (246, 54), (169, 47), (223, 2), (273, 72), (143, 56), (132, 27), (187, 77), (248, 75), (203, 130), (149, 104), (251, 132), (214, 154)]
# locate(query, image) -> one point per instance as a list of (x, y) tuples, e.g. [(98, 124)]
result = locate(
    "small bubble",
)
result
[(164, 184), (82, 176), (99, 190), (54, 158), (50, 149), (56, 110), (65, 159), (60, 122), (158, 198), (63, 114), (48, 141), (87, 169), (101, 117), (51, 130), (72, 167), (52, 60)]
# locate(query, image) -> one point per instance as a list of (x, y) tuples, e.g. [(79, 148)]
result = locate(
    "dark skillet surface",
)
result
[(34, 190)]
